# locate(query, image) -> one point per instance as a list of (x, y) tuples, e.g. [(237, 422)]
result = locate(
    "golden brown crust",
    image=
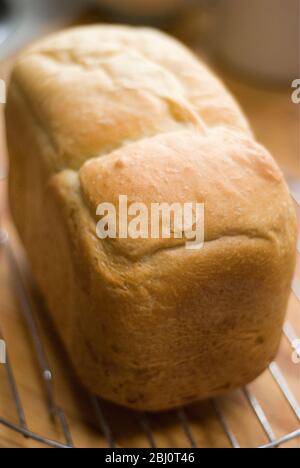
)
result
[(95, 89), (101, 111)]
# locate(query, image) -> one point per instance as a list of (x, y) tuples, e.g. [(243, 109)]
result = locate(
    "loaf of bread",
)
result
[(96, 112)]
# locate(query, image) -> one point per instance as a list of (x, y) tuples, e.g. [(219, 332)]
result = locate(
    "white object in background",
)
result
[(259, 37), (32, 18), (140, 8)]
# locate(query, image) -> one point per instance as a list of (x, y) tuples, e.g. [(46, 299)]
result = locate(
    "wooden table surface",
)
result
[(275, 120)]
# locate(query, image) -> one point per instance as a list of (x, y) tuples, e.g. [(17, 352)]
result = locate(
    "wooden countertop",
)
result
[(276, 122)]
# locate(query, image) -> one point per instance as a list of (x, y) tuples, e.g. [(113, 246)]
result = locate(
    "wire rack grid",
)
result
[(58, 414)]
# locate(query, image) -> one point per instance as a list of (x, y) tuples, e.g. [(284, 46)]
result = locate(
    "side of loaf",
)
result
[(101, 111)]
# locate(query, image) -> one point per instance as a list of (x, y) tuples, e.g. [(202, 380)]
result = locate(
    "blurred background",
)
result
[(259, 37)]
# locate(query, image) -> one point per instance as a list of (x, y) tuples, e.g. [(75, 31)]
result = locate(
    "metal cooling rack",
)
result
[(144, 421)]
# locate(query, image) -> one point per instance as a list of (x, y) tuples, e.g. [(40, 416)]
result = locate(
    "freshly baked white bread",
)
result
[(101, 111)]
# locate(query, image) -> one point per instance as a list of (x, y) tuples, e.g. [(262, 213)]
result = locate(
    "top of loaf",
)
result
[(94, 89), (134, 112)]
